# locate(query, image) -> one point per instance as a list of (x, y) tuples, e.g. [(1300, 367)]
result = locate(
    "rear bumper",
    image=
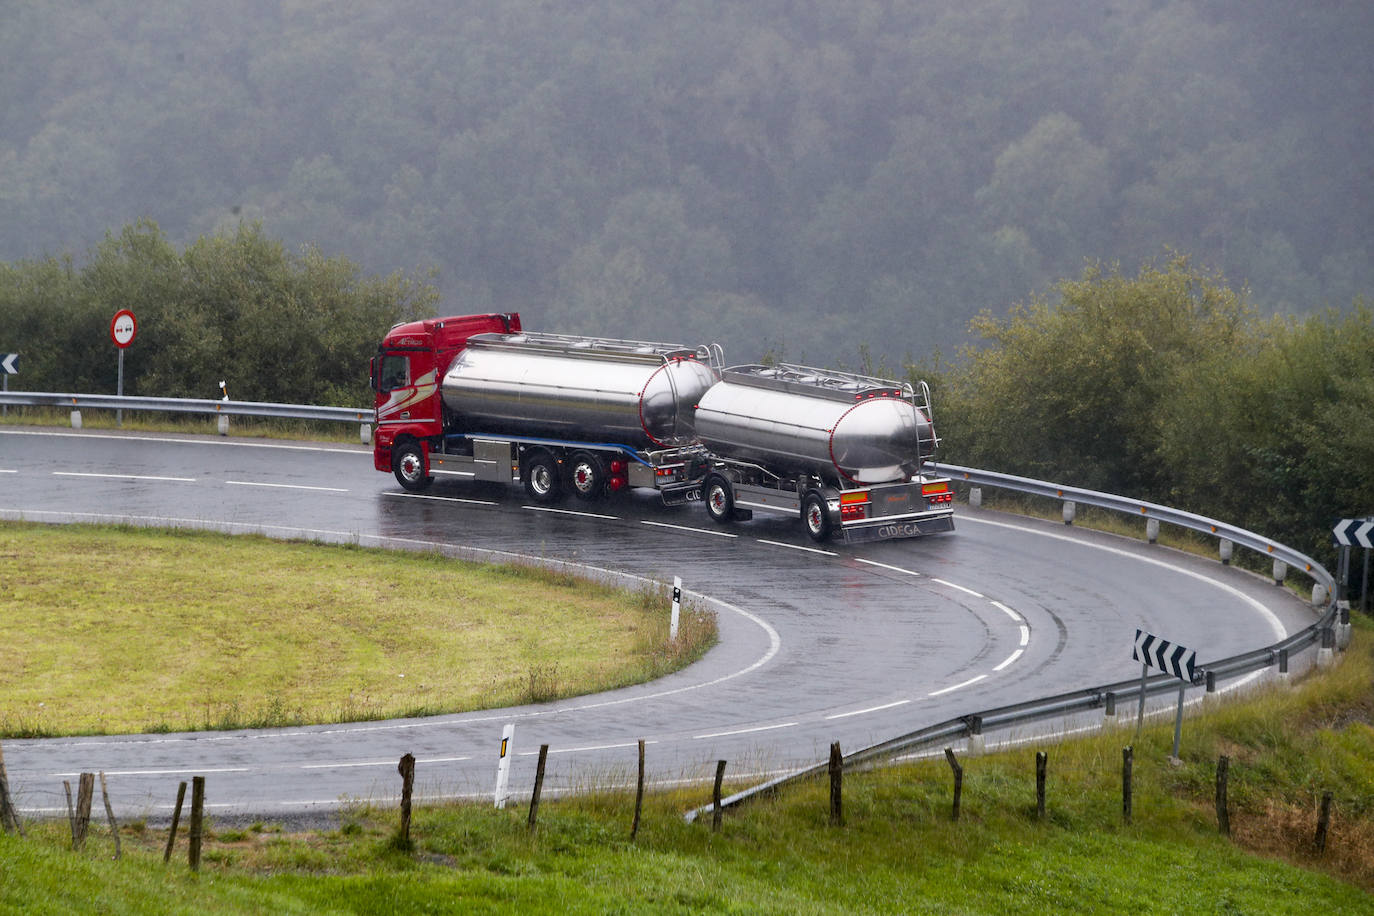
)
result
[(899, 526)]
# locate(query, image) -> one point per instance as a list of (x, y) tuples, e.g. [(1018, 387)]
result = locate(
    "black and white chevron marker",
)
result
[(1169, 657), (1354, 532)]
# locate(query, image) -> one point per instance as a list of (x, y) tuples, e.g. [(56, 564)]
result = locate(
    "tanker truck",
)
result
[(477, 398), (845, 452)]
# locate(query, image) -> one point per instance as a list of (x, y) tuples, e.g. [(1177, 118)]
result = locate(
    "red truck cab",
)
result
[(407, 373)]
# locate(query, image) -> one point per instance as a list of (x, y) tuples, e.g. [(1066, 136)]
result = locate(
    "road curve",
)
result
[(849, 644)]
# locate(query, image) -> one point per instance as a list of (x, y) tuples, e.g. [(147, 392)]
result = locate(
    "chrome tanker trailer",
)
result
[(843, 451), (477, 398)]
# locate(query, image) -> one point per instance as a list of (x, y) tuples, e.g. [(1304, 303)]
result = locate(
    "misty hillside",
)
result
[(806, 176)]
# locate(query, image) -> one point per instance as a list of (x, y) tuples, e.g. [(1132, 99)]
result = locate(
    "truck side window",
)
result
[(395, 372)]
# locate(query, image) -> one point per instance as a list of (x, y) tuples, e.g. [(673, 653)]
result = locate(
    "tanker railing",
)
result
[(931, 738), (190, 405)]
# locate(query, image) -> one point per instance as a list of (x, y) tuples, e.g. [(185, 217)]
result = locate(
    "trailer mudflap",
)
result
[(884, 530), (681, 493)]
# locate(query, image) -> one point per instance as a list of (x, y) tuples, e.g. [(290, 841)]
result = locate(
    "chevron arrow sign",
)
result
[(1169, 657), (1354, 532), (9, 363)]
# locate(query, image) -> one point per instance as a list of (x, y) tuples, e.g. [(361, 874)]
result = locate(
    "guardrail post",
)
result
[(365, 432), (1283, 666), (1152, 530), (1109, 710), (1343, 627), (1327, 653), (76, 419), (1070, 511), (223, 424), (1318, 595), (1280, 572), (1225, 548), (975, 497), (975, 735)]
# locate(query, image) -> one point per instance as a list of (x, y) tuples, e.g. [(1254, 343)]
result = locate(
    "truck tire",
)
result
[(719, 497), (542, 480), (408, 464), (586, 476), (816, 517)]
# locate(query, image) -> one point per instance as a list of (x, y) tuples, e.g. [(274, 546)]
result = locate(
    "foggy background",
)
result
[(807, 177)]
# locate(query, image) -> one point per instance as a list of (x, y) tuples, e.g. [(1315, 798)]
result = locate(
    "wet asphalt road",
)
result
[(850, 644)]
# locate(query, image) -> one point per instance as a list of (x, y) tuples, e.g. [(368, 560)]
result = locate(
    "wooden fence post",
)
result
[(406, 767), (1323, 822), (1127, 759), (109, 813), (197, 820), (958, 780), (639, 792), (85, 793), (538, 786), (1041, 767), (715, 796), (176, 819), (836, 785), (71, 811), (8, 813), (1223, 815)]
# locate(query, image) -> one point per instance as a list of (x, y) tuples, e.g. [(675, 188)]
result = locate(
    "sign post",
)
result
[(1171, 658), (123, 329), (1347, 533), (9, 365)]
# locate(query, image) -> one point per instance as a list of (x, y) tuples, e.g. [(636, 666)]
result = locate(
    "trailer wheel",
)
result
[(408, 464), (719, 498), (541, 478), (587, 476), (815, 516)]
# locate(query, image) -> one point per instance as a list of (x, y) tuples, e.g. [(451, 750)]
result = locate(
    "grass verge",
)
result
[(203, 630), (897, 851)]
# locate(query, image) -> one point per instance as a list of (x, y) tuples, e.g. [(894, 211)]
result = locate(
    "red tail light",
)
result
[(617, 466), (617, 483)]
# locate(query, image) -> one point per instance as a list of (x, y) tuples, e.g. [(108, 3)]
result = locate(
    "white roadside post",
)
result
[(503, 767), (224, 418), (677, 608)]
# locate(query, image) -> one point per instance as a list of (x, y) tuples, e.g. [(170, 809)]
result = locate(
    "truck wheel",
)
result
[(408, 464), (541, 478), (587, 476), (719, 498), (815, 516)]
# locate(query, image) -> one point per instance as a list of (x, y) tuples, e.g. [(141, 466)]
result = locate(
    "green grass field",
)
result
[(203, 630)]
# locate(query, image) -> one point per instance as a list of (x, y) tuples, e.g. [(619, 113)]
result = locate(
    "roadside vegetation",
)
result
[(897, 851), (207, 631)]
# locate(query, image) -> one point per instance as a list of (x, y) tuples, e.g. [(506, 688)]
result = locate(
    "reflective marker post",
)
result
[(503, 767), (677, 608)]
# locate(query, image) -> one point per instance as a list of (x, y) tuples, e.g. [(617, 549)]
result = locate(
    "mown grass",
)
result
[(202, 630), (897, 852), (185, 424)]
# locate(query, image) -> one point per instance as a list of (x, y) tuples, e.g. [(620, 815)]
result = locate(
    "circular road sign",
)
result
[(123, 327)]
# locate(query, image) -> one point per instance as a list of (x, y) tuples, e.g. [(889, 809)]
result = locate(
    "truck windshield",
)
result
[(395, 372)]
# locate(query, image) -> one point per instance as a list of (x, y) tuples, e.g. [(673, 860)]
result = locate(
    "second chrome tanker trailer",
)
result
[(478, 398)]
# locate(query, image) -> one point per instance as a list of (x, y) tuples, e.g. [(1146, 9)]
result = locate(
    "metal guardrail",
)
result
[(934, 736), (184, 405)]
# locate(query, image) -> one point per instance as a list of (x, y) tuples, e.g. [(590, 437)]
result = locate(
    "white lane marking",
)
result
[(123, 476), (196, 770), (442, 499), (1269, 616), (220, 442), (1011, 658), (744, 731), (7, 471), (859, 712), (719, 534), (1009, 612), (285, 486), (375, 763), (591, 747), (944, 690), (896, 569), (612, 518), (824, 553), (967, 591), (1025, 635)]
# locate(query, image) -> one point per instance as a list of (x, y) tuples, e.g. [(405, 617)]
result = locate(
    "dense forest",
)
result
[(789, 175)]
